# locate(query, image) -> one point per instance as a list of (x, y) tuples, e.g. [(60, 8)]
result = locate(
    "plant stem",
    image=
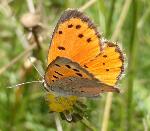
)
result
[(131, 69), (108, 101), (109, 21), (121, 19), (57, 121), (88, 124)]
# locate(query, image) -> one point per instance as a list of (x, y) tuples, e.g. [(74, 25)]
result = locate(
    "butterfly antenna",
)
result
[(35, 67), (25, 83)]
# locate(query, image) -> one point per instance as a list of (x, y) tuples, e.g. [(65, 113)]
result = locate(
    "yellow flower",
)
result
[(60, 103)]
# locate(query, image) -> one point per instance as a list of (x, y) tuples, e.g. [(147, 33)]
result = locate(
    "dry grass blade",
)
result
[(31, 6), (6, 10), (17, 58), (87, 5), (121, 20)]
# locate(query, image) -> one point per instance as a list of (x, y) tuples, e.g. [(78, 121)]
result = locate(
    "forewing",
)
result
[(75, 37)]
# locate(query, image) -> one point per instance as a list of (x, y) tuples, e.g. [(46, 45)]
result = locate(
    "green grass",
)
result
[(25, 108)]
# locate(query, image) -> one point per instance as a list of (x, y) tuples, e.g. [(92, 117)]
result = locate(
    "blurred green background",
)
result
[(25, 109)]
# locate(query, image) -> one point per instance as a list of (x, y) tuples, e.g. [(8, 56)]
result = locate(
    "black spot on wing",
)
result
[(105, 56), (55, 76), (89, 40), (57, 65), (107, 69), (79, 74), (80, 35), (58, 73), (78, 26), (61, 48), (70, 26), (68, 66), (60, 32), (85, 66), (76, 70)]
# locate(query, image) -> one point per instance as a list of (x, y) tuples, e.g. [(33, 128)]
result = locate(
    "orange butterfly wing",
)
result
[(108, 66), (75, 37)]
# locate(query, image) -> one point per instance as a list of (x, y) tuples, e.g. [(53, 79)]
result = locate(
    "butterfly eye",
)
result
[(102, 90)]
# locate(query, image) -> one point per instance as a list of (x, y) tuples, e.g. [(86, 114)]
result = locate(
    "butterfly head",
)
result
[(45, 85)]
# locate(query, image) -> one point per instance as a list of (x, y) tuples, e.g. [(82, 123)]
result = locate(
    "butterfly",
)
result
[(80, 62)]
